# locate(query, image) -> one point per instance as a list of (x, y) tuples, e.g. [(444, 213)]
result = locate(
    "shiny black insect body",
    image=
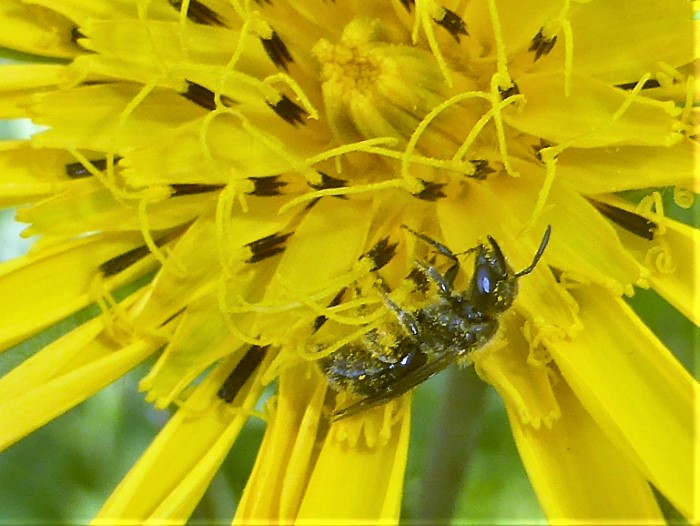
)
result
[(390, 361)]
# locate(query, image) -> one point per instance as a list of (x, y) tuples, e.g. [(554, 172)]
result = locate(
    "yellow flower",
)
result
[(257, 161)]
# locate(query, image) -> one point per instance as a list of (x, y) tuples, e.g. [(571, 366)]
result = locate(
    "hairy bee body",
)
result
[(417, 344)]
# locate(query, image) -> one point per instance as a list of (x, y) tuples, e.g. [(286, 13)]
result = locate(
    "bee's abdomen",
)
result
[(354, 368)]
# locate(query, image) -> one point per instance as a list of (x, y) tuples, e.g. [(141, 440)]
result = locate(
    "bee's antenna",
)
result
[(540, 251)]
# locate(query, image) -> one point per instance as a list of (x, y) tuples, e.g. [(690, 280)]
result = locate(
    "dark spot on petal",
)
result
[(408, 4), (289, 111), (173, 316), (648, 84), (328, 182), (381, 253), (539, 147), (266, 247), (123, 261), (509, 92), (634, 223), (320, 320), (204, 97), (179, 190), (431, 191), (482, 169), (267, 186), (241, 373), (541, 45), (453, 23), (418, 278), (78, 171), (199, 13), (277, 50), (76, 35)]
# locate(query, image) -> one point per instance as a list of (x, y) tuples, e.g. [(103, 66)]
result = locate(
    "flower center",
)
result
[(374, 84)]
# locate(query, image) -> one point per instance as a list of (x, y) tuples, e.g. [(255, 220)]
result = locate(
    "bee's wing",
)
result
[(401, 385)]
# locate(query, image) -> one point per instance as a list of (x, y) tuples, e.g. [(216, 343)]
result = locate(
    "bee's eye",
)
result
[(483, 287), (484, 280)]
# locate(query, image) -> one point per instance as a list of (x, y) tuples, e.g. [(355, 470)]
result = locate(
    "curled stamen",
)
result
[(157, 194), (423, 125), (298, 91), (498, 122), (481, 123)]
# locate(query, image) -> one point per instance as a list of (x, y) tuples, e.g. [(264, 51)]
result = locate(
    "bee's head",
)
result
[(494, 285)]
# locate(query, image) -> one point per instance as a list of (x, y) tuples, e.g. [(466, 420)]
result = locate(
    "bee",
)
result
[(389, 361)]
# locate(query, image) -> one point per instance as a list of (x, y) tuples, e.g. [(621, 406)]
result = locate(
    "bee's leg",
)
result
[(444, 282), (405, 318), (439, 247)]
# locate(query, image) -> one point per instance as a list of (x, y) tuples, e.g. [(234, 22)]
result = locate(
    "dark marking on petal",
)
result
[(179, 190), (199, 13), (267, 186), (311, 204), (634, 223), (241, 373), (539, 147), (509, 92), (266, 247), (453, 23), (173, 316), (204, 97), (431, 191), (277, 50), (289, 111), (123, 261), (482, 169), (76, 35), (419, 278), (408, 4), (320, 320), (541, 45), (648, 84), (78, 171), (328, 182), (381, 253)]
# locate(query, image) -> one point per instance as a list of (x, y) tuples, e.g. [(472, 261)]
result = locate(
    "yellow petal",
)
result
[(27, 174), (681, 286), (585, 118), (87, 206), (358, 483), (525, 386), (32, 409), (169, 479), (576, 226), (18, 83), (35, 30), (636, 391), (578, 473), (653, 32), (101, 128), (275, 487), (604, 170), (35, 299)]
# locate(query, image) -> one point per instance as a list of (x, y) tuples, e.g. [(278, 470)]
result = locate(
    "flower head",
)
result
[(304, 184)]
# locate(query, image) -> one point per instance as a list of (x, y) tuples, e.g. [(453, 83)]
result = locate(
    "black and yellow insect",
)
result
[(382, 366)]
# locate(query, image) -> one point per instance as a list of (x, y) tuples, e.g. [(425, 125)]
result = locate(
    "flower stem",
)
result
[(454, 438)]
